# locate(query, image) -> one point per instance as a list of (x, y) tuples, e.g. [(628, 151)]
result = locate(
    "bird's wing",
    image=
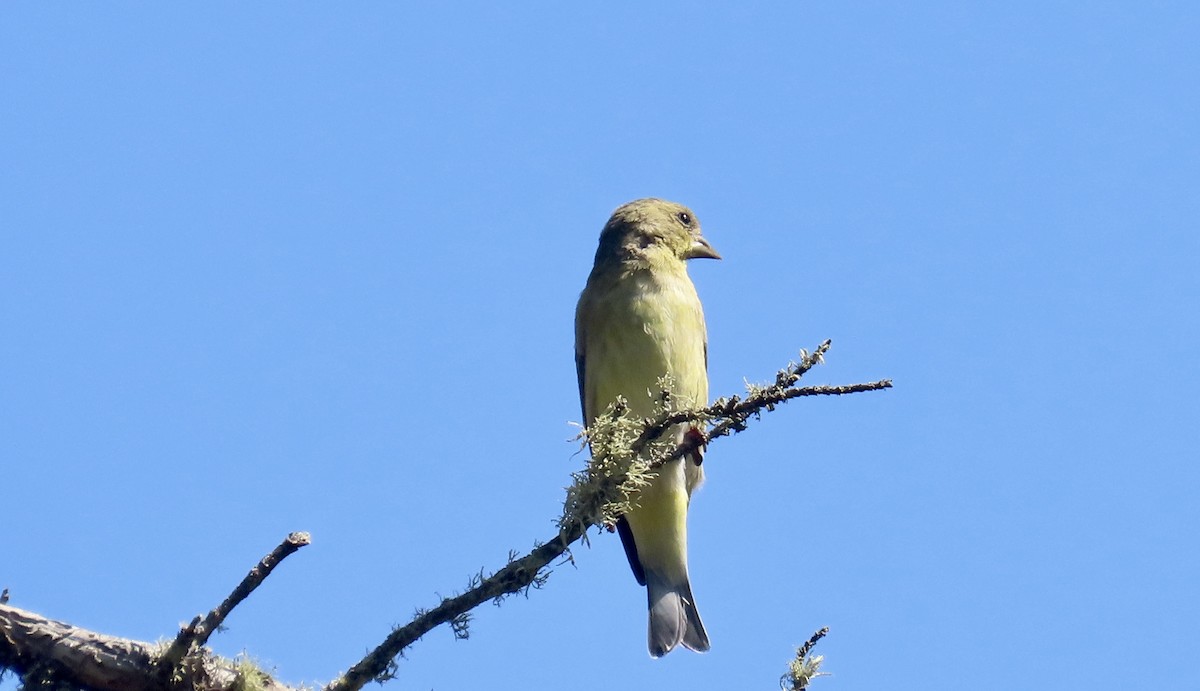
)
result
[(623, 529)]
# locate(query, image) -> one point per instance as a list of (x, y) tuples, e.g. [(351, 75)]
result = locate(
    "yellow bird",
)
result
[(639, 319)]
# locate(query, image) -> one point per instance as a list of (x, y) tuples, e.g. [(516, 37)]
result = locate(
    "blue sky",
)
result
[(299, 267)]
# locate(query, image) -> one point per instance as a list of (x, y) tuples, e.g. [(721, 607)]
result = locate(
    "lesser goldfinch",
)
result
[(639, 320)]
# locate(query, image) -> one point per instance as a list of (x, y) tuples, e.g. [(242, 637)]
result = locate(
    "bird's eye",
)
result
[(685, 218)]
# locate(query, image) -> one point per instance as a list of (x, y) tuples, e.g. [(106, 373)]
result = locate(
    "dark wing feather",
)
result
[(579, 373), (631, 553)]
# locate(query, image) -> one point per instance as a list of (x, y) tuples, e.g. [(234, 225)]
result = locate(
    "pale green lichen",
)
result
[(600, 493), (250, 676), (624, 454), (801, 672)]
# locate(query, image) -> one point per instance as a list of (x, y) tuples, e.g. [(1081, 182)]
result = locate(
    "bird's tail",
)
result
[(673, 616)]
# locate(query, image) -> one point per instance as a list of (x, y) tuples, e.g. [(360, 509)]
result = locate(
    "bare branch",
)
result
[(196, 634), (33, 644), (53, 654)]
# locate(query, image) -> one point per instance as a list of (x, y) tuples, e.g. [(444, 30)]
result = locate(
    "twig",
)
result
[(737, 411), (733, 412), (802, 669), (784, 379), (196, 633), (808, 645)]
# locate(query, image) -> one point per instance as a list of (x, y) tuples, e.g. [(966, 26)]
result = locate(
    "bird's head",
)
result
[(653, 230)]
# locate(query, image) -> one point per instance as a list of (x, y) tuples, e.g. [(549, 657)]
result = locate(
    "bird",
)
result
[(638, 320)]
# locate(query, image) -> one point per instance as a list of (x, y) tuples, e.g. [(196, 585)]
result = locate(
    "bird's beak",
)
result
[(700, 249)]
